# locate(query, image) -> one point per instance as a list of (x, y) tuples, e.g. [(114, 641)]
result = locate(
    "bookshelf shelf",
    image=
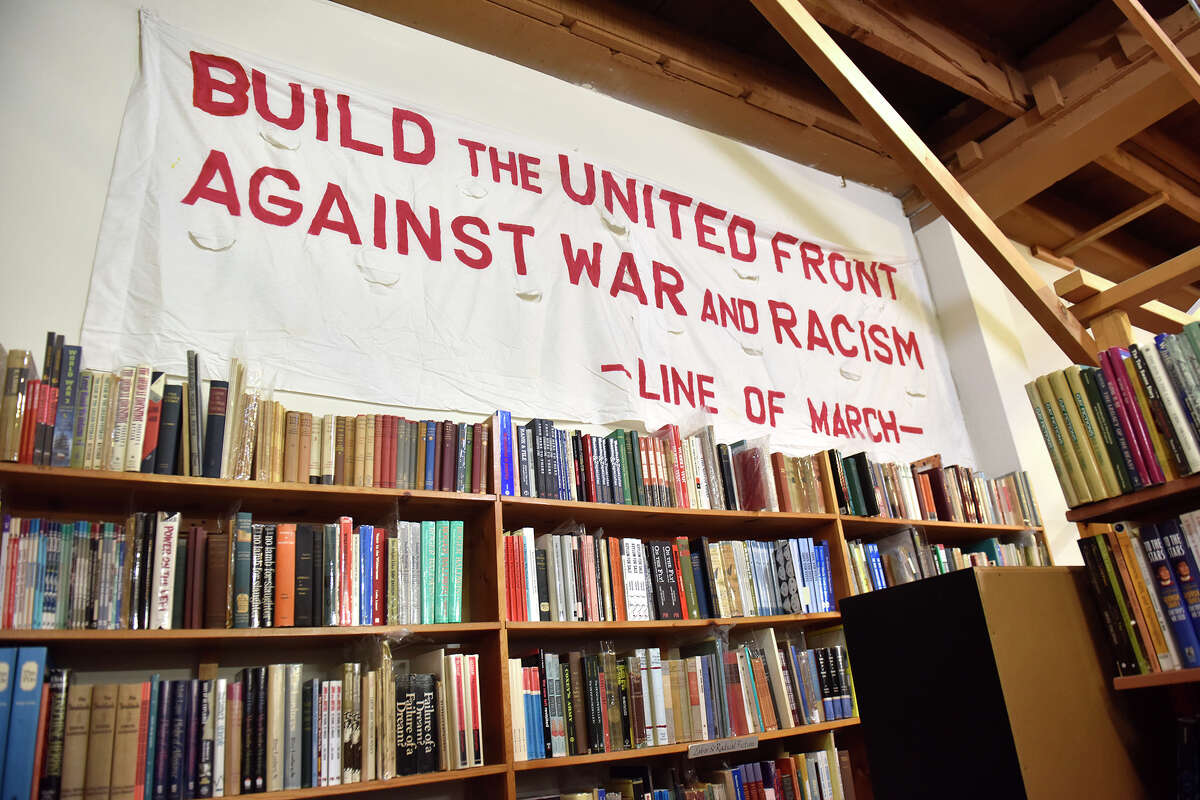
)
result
[(670, 749), (1166, 499), (531, 630), (945, 531), (423, 779), (1175, 677), (247, 636)]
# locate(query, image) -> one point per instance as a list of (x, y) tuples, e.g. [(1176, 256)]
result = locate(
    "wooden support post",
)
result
[(1048, 96), (834, 67), (969, 155), (1144, 286), (1162, 45), (1112, 330), (1108, 226)]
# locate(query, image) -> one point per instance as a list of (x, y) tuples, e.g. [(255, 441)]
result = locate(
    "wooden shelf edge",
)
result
[(1115, 509), (635, 626), (882, 522), (403, 781), (136, 479), (1174, 677), (578, 506), (249, 635), (670, 749)]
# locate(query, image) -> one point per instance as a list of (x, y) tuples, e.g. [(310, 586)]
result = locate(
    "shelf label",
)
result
[(701, 749)]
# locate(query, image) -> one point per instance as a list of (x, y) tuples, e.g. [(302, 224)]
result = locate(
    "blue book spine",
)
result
[(63, 438), (162, 736), (191, 739), (177, 743), (817, 700), (79, 437), (314, 777), (539, 722), (151, 735), (35, 528), (819, 558), (802, 702), (698, 578), (530, 742), (366, 544), (706, 682), (1173, 603), (739, 785), (877, 566), (505, 443), (430, 453), (753, 692), (27, 678), (8, 663)]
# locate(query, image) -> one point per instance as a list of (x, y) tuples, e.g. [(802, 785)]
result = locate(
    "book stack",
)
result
[(905, 556), (599, 702), (1147, 587), (259, 729), (928, 491), (135, 420), (661, 469), (574, 576), (824, 774), (155, 572), (1131, 423)]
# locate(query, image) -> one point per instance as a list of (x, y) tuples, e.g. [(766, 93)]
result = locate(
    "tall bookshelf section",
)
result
[(72, 494)]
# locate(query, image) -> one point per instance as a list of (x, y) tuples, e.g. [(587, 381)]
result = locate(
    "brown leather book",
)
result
[(216, 569), (348, 470), (303, 446), (339, 451), (197, 572), (779, 473), (575, 663), (763, 689), (369, 463), (477, 456), (75, 741), (446, 462), (233, 738), (378, 448), (125, 764), (98, 773), (360, 449), (419, 442), (291, 447)]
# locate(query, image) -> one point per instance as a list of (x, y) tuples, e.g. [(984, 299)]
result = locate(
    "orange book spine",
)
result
[(377, 450), (285, 575), (618, 578)]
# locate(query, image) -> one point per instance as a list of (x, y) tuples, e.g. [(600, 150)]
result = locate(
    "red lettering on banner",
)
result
[(878, 336), (322, 221), (678, 387), (528, 176), (764, 407), (675, 201), (870, 414), (290, 208), (458, 226), (888, 424), (588, 195), (850, 421), (816, 333), (847, 284), (907, 346), (499, 165), (889, 271), (783, 320), (853, 420), (705, 212), (628, 200), (708, 311), (205, 85), (577, 261), (643, 390), (737, 223), (216, 165), (627, 279), (430, 236), (401, 117), (519, 232), (380, 226), (473, 151), (668, 283), (345, 123), (294, 119), (838, 322), (705, 393), (778, 251), (812, 256), (865, 278), (321, 113)]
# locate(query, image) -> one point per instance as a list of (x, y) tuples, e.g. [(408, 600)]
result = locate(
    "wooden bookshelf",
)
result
[(1174, 677), (73, 493), (1164, 500)]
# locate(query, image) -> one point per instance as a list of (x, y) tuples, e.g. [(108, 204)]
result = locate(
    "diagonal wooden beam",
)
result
[(1162, 44), (1110, 225), (904, 35), (1148, 285), (1132, 169), (1080, 285), (839, 73)]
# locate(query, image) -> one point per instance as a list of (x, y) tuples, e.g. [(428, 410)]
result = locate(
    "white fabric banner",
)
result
[(363, 247)]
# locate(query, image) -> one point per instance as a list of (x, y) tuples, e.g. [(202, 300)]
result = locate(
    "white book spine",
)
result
[(220, 721), (292, 747), (335, 734), (560, 609), (531, 589), (414, 566), (321, 735), (276, 714), (163, 569), (120, 429), (138, 404), (654, 666), (516, 705), (1170, 399)]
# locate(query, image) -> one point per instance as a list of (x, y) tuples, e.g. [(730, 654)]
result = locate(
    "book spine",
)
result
[(214, 429)]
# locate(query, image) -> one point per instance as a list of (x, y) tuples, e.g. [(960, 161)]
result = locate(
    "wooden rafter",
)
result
[(1109, 225), (904, 35), (1080, 285), (813, 43), (1148, 285), (1132, 169), (1162, 44)]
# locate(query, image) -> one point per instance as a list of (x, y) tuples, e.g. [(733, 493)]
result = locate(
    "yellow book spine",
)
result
[(1058, 426)]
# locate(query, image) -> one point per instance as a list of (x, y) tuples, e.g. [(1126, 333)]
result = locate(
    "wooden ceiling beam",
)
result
[(1145, 286), (904, 35), (1080, 285), (1109, 225), (1132, 169), (1105, 106), (1162, 44), (813, 43)]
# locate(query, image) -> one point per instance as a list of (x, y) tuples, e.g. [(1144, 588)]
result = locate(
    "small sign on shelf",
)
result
[(718, 746)]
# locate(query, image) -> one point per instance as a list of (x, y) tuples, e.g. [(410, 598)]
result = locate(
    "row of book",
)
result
[(134, 420), (577, 575), (1147, 586), (905, 556), (926, 490), (664, 469), (823, 774), (1131, 423), (261, 729), (154, 572), (575, 703)]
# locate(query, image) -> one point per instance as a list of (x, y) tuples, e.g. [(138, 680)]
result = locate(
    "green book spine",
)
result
[(441, 604), (241, 570), (468, 463), (858, 505), (1104, 425), (178, 602), (635, 460), (1191, 332), (456, 570), (1114, 583), (623, 459), (689, 580), (428, 570)]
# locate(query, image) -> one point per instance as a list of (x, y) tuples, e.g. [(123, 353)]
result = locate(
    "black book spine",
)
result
[(522, 439), (592, 700), (148, 525), (193, 421), (823, 678), (1158, 411), (426, 720), (618, 476), (600, 454), (137, 572), (623, 698), (268, 577), (1106, 601), (163, 738), (727, 477), (56, 719), (308, 699), (260, 730), (256, 574), (543, 584), (204, 759), (671, 581), (248, 706), (169, 430), (581, 492), (1114, 420), (568, 709), (182, 543), (318, 576), (544, 686), (304, 577), (535, 458), (410, 727), (214, 429), (863, 469), (1107, 427), (179, 724), (191, 740)]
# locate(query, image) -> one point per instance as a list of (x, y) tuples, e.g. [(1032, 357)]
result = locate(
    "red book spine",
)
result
[(680, 473), (589, 584), (679, 581), (139, 781), (46, 417), (477, 457), (153, 416), (379, 578), (604, 705), (618, 579), (34, 397), (345, 529), (508, 578), (733, 696), (473, 686), (1130, 417), (40, 745), (522, 612)]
